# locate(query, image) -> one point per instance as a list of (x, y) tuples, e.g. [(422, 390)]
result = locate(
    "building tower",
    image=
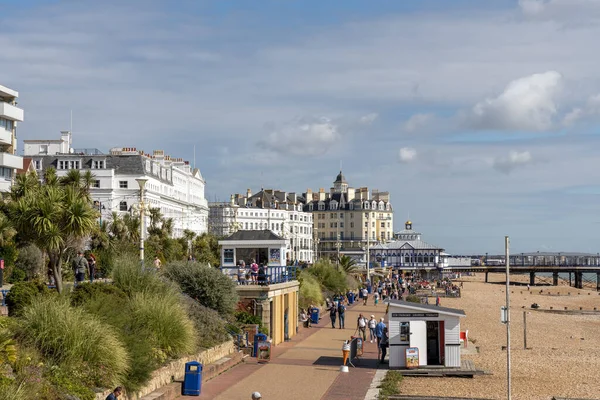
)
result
[(340, 185)]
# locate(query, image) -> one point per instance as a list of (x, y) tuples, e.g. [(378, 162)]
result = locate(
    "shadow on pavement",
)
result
[(357, 362)]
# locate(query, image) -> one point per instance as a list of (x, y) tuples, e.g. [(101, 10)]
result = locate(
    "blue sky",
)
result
[(480, 117)]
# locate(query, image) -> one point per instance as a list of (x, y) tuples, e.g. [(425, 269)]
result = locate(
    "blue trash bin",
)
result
[(351, 298), (259, 337), (314, 315), (369, 289), (192, 382)]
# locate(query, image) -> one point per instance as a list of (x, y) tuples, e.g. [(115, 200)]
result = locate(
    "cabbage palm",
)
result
[(55, 217), (348, 264)]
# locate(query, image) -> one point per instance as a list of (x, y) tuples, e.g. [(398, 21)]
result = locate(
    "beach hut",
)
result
[(422, 334)]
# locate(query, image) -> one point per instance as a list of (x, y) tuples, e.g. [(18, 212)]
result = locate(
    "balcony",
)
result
[(4, 184), (9, 111), (11, 161), (5, 137)]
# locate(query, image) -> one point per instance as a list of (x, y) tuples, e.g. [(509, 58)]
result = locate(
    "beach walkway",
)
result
[(307, 367)]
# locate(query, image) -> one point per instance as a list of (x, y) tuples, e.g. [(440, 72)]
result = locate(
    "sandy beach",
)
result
[(563, 358)]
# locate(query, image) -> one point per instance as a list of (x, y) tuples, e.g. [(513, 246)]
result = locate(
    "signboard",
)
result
[(359, 345), (264, 352), (274, 256), (412, 357), (415, 315)]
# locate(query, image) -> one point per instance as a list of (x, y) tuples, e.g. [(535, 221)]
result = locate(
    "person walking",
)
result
[(157, 263), (383, 344), (332, 314), (254, 271), (361, 326), (115, 393), (379, 333), (376, 298), (92, 266), (80, 265), (341, 309), (241, 272), (372, 325), (365, 294)]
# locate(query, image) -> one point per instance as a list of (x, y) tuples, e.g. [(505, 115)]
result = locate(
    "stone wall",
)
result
[(175, 370)]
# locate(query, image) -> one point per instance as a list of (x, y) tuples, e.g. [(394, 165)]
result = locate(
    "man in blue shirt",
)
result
[(379, 333), (115, 394)]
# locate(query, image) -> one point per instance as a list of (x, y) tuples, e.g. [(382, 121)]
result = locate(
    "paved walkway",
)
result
[(307, 367)]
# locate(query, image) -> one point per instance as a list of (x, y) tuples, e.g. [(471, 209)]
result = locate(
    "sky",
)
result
[(479, 117)]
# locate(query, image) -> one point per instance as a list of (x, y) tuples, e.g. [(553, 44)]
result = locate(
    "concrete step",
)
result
[(173, 390)]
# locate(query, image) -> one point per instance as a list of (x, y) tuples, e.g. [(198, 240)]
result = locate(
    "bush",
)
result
[(128, 276), (21, 294), (75, 341), (86, 291), (329, 276), (17, 275), (245, 318), (209, 286), (310, 291), (389, 385), (30, 260), (211, 328), (413, 298)]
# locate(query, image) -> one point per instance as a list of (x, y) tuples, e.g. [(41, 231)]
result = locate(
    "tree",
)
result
[(206, 249), (348, 264), (56, 216)]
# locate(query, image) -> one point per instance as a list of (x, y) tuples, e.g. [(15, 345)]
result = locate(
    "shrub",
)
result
[(75, 340), (310, 291), (30, 260), (328, 275), (128, 276), (86, 291), (245, 318), (209, 286), (389, 385), (22, 294), (211, 328), (16, 275)]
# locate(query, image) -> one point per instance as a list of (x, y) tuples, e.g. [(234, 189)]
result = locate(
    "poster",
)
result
[(264, 351), (412, 357), (274, 256), (359, 345)]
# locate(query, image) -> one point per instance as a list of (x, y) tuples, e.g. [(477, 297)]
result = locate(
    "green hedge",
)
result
[(22, 294)]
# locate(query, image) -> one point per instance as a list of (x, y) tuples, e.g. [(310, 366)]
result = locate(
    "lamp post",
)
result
[(368, 248), (338, 244), (142, 183)]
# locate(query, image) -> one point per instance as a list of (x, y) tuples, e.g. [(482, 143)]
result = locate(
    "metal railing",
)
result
[(270, 276)]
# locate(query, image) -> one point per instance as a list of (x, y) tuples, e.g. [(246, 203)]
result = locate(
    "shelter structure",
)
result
[(432, 330), (275, 297)]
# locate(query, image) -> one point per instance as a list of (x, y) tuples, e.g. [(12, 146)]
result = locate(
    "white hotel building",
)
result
[(10, 115), (275, 210), (173, 186)]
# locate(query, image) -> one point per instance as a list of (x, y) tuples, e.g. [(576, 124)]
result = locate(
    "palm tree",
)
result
[(55, 218), (348, 264), (7, 230)]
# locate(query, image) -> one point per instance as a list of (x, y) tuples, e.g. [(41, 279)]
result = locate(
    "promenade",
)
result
[(306, 367)]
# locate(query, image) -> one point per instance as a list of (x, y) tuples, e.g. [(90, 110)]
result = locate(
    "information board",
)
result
[(412, 357), (264, 352)]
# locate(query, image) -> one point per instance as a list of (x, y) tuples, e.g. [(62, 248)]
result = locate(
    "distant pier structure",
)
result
[(580, 267)]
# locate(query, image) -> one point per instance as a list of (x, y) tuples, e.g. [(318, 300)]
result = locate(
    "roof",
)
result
[(253, 235), (26, 166), (427, 307), (415, 244), (340, 178)]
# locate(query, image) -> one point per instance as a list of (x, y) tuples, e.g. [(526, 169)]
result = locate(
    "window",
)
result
[(383, 224), (351, 235), (351, 224), (62, 165), (366, 215), (7, 124), (366, 224), (37, 164), (341, 224), (43, 149), (228, 255), (123, 206), (96, 184), (122, 184), (98, 164), (331, 224), (341, 215), (351, 215)]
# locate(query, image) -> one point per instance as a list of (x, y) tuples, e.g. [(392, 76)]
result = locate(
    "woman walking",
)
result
[(372, 325)]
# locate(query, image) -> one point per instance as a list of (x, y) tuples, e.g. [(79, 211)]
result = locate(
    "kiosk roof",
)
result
[(427, 307)]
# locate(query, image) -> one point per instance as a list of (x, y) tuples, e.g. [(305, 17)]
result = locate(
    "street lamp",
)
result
[(142, 183), (338, 244)]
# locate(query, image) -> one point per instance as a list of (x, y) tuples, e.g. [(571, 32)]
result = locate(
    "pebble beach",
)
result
[(563, 354)]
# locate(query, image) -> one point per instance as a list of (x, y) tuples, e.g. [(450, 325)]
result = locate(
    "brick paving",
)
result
[(307, 367)]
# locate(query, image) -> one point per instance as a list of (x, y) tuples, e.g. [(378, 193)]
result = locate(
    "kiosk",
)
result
[(428, 334)]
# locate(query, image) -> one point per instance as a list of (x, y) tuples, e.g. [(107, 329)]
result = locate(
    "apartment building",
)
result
[(10, 115)]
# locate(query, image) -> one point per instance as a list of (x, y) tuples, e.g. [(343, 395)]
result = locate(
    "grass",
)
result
[(72, 338), (390, 385)]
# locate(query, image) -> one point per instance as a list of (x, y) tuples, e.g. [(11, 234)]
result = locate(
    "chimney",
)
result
[(322, 194), (248, 192), (65, 141)]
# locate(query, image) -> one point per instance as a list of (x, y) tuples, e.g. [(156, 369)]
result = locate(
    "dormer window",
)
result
[(366, 205), (98, 164)]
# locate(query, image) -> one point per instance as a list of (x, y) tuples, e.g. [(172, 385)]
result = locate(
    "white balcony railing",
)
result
[(9, 111), (11, 161)]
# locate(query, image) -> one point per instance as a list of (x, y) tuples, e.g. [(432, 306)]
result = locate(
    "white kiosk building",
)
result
[(433, 330)]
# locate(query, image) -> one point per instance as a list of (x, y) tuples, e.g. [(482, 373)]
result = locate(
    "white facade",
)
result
[(277, 211), (172, 185), (10, 115), (433, 330)]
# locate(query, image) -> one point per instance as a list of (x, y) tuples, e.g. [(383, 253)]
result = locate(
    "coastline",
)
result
[(563, 358)]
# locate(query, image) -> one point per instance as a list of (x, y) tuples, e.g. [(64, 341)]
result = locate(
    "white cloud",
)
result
[(407, 154), (369, 118), (302, 136), (527, 103), (561, 10), (591, 109), (514, 160), (417, 121)]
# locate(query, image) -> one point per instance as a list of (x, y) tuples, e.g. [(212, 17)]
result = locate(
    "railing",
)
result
[(271, 275)]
